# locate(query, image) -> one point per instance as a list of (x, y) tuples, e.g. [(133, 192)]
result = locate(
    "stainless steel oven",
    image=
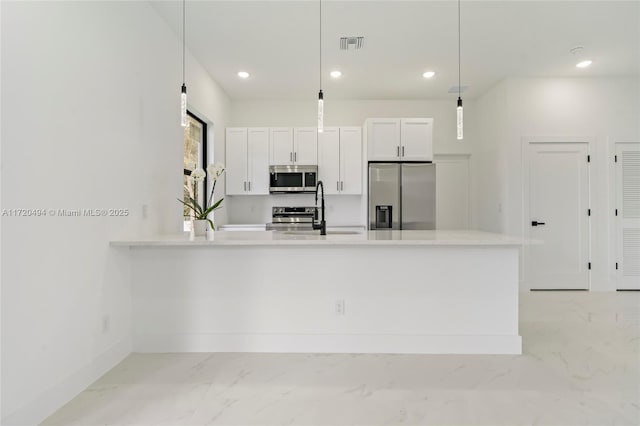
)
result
[(293, 179), (291, 219)]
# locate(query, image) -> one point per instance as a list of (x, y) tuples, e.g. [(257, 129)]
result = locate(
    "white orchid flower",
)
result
[(215, 170), (198, 175)]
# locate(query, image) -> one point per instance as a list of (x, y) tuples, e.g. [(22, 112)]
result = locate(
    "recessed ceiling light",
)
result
[(243, 74), (335, 74), (429, 74), (584, 64)]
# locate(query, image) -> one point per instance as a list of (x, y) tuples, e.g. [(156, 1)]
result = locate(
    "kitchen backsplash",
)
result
[(251, 209)]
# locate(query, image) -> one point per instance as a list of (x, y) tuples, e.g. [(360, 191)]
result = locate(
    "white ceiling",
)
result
[(277, 42)]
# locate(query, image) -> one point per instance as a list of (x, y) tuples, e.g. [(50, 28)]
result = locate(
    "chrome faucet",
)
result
[(323, 224)]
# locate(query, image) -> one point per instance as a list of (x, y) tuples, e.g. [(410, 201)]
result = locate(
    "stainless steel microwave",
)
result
[(284, 179)]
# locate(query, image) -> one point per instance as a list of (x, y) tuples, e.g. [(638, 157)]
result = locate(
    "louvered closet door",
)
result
[(628, 219)]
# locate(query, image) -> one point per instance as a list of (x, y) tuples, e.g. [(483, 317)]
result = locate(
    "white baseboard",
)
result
[(328, 343), (56, 396)]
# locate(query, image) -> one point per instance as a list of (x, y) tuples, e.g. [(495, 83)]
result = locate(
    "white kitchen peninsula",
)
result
[(373, 292)]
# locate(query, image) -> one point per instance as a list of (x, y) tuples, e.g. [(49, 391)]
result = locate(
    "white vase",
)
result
[(200, 228)]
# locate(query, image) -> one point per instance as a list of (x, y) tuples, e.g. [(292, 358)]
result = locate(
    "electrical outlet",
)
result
[(106, 323), (340, 307)]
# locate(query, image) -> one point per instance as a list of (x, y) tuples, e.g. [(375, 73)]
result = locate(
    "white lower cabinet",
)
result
[(340, 160), (247, 162)]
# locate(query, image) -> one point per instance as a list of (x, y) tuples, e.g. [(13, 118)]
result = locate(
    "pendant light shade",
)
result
[(459, 118), (183, 90), (320, 94), (183, 106), (320, 112)]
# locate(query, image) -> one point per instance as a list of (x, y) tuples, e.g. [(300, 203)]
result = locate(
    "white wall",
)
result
[(604, 110), (343, 210), (93, 123), (489, 180)]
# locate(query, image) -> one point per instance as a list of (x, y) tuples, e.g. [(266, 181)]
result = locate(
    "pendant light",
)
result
[(183, 92), (320, 95), (459, 107)]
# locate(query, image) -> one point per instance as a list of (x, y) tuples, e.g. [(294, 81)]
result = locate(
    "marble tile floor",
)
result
[(581, 366)]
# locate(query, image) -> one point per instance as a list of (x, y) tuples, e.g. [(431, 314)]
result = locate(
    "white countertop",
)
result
[(368, 238)]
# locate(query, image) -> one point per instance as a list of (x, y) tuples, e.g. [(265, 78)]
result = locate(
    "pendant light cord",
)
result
[(320, 39), (459, 79), (183, 37)]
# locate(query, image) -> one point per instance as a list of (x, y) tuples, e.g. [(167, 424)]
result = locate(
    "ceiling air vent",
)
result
[(454, 89), (354, 43)]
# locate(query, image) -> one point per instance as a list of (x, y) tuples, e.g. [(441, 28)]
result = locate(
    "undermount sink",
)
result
[(344, 232), (318, 232)]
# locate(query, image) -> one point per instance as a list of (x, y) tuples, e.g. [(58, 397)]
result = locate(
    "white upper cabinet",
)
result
[(294, 146), (281, 146), (258, 161), (329, 159), (351, 160), (395, 139), (247, 162), (416, 139), (340, 160), (305, 146), (384, 139), (236, 161)]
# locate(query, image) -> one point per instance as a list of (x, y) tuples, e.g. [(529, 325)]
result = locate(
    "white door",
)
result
[(383, 139), (628, 216), (236, 159), (351, 160), (281, 146), (416, 136), (558, 206), (329, 159), (452, 191), (258, 160), (305, 146)]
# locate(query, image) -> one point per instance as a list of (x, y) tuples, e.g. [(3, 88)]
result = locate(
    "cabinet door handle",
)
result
[(291, 157), (397, 151), (295, 157), (249, 185), (403, 151), (341, 185), (337, 185), (245, 186)]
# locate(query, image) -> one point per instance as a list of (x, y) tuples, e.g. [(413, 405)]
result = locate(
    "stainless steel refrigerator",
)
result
[(402, 196)]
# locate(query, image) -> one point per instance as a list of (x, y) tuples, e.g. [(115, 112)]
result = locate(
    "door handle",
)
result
[(341, 185), (245, 186), (536, 223), (295, 157), (249, 186), (337, 186), (291, 157), (397, 151), (403, 151)]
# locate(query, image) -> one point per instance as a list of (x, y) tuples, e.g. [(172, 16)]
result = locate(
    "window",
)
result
[(195, 156)]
